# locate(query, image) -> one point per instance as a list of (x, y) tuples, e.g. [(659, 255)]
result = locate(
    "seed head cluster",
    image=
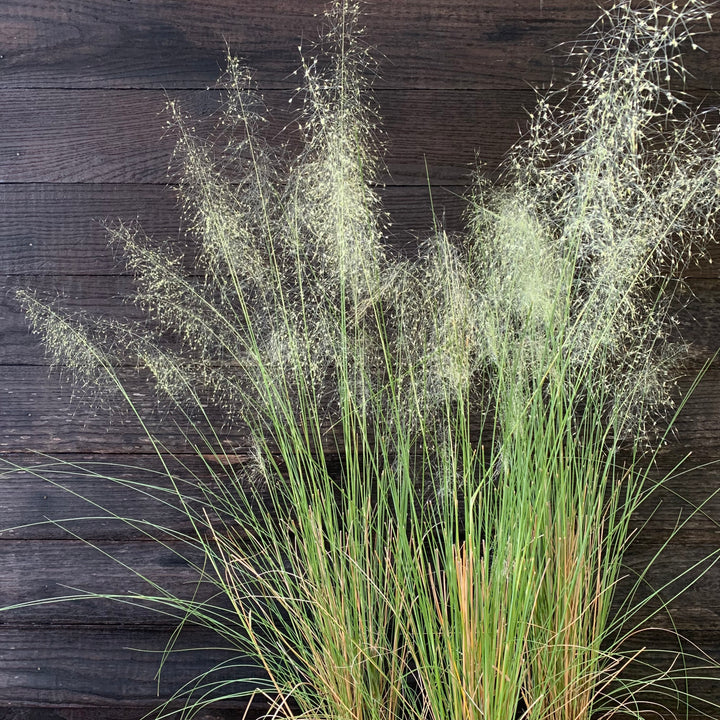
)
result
[(291, 291)]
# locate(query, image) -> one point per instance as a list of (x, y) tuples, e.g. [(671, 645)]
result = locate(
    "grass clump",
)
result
[(446, 448)]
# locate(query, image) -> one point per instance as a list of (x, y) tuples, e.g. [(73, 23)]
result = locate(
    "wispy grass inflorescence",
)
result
[(626, 174), (446, 448)]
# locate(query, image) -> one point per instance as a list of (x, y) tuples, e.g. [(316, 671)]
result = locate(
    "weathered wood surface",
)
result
[(54, 229), (125, 662), (59, 229), (106, 294), (115, 712), (83, 86), (425, 43), (120, 136), (84, 495), (41, 414), (421, 43), (106, 136), (33, 570)]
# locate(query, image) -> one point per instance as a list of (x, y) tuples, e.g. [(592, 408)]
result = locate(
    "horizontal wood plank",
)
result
[(92, 667), (161, 44), (41, 414), (93, 294), (118, 136), (47, 570), (87, 494), (99, 666), (37, 573), (66, 659), (30, 711), (109, 296), (55, 418), (47, 498), (59, 229), (418, 43)]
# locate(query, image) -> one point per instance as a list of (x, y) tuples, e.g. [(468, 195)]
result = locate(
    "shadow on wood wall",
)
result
[(83, 84)]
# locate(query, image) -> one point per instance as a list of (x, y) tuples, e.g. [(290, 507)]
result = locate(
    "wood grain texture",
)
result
[(71, 494), (42, 414), (118, 665), (113, 712), (44, 569), (59, 229), (85, 495), (160, 43), (38, 569), (110, 296), (119, 136), (57, 498), (420, 43), (52, 229)]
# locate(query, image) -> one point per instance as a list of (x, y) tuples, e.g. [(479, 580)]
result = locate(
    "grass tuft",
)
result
[(447, 449)]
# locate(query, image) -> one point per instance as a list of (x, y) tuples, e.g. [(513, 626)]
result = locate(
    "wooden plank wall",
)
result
[(82, 88)]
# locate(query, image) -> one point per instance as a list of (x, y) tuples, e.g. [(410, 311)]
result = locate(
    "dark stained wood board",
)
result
[(119, 136), (65, 568), (59, 229), (83, 86), (88, 504), (109, 295), (44, 667), (54, 229), (43, 415), (115, 712), (165, 44)]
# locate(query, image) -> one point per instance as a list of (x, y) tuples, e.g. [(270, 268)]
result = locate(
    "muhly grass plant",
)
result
[(446, 447)]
